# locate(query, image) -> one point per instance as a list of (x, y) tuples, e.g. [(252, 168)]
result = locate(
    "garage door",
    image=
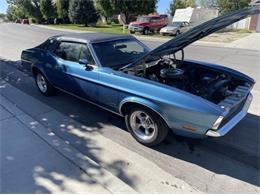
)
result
[(258, 24)]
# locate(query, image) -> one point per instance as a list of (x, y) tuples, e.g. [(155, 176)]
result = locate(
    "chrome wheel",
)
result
[(143, 125), (41, 83)]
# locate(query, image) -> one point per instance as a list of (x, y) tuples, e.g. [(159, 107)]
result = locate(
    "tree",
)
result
[(190, 3), (209, 3), (180, 4), (29, 8), (104, 8), (133, 7), (47, 9), (231, 5), (62, 8), (14, 13), (82, 12)]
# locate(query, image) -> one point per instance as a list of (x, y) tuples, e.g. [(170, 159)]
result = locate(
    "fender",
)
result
[(144, 102)]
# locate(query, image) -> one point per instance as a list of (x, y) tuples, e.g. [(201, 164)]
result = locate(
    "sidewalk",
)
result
[(251, 41), (38, 163), (37, 160)]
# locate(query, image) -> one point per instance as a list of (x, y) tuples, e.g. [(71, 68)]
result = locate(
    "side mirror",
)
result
[(85, 63)]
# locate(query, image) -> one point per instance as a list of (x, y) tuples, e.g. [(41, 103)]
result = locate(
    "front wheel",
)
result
[(43, 84), (146, 126), (146, 31)]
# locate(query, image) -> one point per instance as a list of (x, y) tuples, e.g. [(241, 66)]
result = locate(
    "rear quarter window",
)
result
[(69, 51), (47, 45)]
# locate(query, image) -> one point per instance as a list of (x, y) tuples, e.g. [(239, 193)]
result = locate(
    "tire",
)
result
[(43, 84), (178, 33), (146, 31), (156, 129), (132, 32)]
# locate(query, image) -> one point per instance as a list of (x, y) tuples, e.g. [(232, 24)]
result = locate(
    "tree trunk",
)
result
[(126, 18)]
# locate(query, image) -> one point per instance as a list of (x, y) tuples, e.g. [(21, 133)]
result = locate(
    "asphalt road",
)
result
[(224, 165)]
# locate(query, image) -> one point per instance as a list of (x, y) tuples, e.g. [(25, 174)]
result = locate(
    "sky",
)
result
[(162, 6), (3, 6)]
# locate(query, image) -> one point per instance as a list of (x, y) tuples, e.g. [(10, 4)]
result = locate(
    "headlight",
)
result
[(163, 30), (217, 123)]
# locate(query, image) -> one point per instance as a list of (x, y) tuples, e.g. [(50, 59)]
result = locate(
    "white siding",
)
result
[(242, 24), (258, 24), (195, 16)]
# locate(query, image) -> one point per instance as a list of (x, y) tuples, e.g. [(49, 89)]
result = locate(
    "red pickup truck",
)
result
[(146, 24)]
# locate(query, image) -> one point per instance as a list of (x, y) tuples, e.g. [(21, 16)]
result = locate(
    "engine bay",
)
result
[(207, 83)]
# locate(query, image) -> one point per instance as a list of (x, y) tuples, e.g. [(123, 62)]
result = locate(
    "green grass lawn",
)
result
[(115, 28), (224, 37)]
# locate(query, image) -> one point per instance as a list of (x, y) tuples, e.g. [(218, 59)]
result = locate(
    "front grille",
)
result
[(235, 102), (234, 111)]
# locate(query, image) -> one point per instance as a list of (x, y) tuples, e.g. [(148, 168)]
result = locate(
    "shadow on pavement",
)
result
[(41, 175), (185, 149)]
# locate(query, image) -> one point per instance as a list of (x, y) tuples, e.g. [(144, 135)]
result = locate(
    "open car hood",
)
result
[(197, 33)]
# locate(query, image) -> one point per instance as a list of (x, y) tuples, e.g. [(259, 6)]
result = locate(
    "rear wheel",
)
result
[(43, 84), (146, 126)]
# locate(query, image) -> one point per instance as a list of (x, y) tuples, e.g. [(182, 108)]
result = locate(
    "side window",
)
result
[(69, 51), (154, 20), (85, 54), (129, 47)]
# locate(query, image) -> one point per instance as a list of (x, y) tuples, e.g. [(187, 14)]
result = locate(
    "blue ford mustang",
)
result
[(154, 90)]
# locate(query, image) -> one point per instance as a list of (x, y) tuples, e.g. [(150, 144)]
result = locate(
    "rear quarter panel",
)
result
[(33, 58)]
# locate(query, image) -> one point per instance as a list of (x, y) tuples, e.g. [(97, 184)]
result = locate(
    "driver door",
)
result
[(74, 77)]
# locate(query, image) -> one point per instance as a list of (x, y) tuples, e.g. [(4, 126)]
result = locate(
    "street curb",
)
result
[(154, 181), (248, 157), (87, 165)]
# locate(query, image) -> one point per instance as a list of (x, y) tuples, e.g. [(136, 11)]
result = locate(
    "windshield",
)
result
[(143, 19), (175, 24), (119, 53)]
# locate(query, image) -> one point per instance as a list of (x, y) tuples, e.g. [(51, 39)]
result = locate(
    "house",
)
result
[(194, 16), (251, 23), (255, 20)]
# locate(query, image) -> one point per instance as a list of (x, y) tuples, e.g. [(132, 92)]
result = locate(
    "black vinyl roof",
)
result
[(92, 37)]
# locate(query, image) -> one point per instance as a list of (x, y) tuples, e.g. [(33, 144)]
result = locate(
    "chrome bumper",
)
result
[(228, 126), (135, 28)]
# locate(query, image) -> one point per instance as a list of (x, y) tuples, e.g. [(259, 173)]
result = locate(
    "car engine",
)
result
[(206, 83)]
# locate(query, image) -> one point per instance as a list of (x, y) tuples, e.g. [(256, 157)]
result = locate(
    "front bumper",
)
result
[(168, 32), (232, 122), (136, 28)]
